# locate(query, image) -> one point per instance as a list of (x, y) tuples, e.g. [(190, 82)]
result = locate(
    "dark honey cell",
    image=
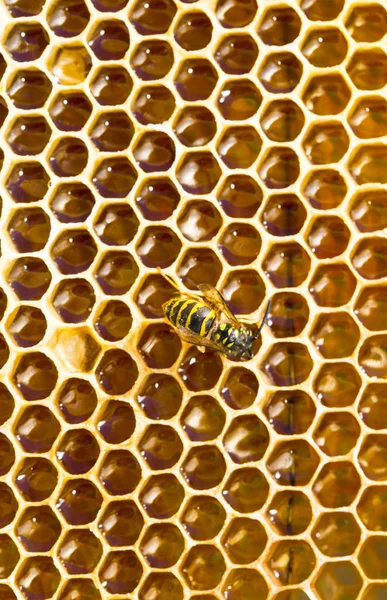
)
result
[(287, 265), (244, 540), (112, 131), (35, 376), (153, 104), (336, 534), (199, 266), (284, 214), (240, 244), (195, 126), (246, 439), (203, 518), (372, 356), (8, 505), (367, 23), (38, 577), (109, 40), (29, 229), (325, 47), (326, 143), (369, 210), (196, 79), (24, 8), (279, 26), (153, 293), (3, 110), (116, 372), (337, 385), (120, 572), (193, 31), (70, 111), (239, 100), (239, 147), (200, 370), (324, 189), (280, 72), (372, 457), (337, 433), (160, 396), (372, 407), (68, 18), (371, 557), (282, 120), (26, 41), (7, 454), (116, 273), (240, 196), (368, 163), (372, 508), (332, 285), (73, 300), (162, 496), (79, 501), (114, 177), (159, 346), (157, 198), (203, 567), (371, 308), (38, 529), (328, 237), (7, 404), (293, 463), (109, 6), (236, 54), (152, 59), (203, 467), (29, 135), (79, 552), (202, 419), (198, 173), (199, 221), (68, 157), (326, 94), (280, 168), (158, 246), (162, 545), (111, 85), (121, 523), (120, 473), (116, 225), (368, 69), (369, 258), (78, 451), (335, 335), (368, 119), (72, 202), (337, 484), (159, 585), (74, 251), (288, 363), (36, 429), (114, 321), (160, 446), (29, 278), (62, 64), (291, 561), (153, 17), (289, 513), (36, 479), (80, 589), (244, 583), (29, 89), (77, 400), (289, 313), (235, 13), (116, 422), (154, 151), (246, 490), (240, 388), (4, 351), (3, 304), (243, 291), (317, 10)]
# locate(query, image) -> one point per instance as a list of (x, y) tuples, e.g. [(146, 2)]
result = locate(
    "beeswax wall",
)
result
[(239, 143)]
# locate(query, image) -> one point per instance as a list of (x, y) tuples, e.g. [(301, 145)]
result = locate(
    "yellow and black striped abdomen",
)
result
[(194, 316)]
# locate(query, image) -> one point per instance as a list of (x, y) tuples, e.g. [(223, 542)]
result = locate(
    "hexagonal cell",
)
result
[(338, 580), (328, 237), (372, 508), (68, 18), (369, 258), (373, 406), (287, 265), (370, 308), (111, 85), (203, 467), (290, 412), (243, 584), (246, 490), (119, 473), (116, 422), (116, 273), (282, 120), (368, 68), (240, 196), (325, 189), (78, 451), (120, 572), (160, 446), (38, 576), (121, 523), (114, 177), (195, 126), (368, 118), (239, 389), (29, 135), (78, 588), (200, 370), (62, 64), (193, 31), (198, 266), (202, 419), (27, 326), (372, 456), (288, 363), (280, 72), (244, 540), (368, 210), (288, 314), (336, 534), (158, 246), (152, 18), (372, 356), (243, 291), (109, 39), (7, 404), (158, 585), (152, 59), (317, 11), (154, 152), (36, 479), (116, 224), (198, 172), (159, 346), (235, 13), (291, 561), (326, 143), (72, 202), (29, 88), (70, 111), (239, 100), (199, 221), (375, 591), (279, 26), (335, 335), (246, 439), (77, 400), (371, 557), (68, 157), (24, 8), (27, 182), (157, 198), (236, 54), (195, 79), (153, 104), (79, 501), (160, 396), (203, 518), (74, 251), (289, 512), (116, 372), (38, 529), (293, 463), (337, 484), (280, 168), (337, 384), (114, 321), (8, 505), (36, 429), (284, 214), (239, 147), (162, 496), (325, 47), (326, 94), (26, 41), (337, 433), (35, 376), (367, 23), (332, 285), (203, 567), (162, 545), (112, 131), (29, 229), (240, 244)]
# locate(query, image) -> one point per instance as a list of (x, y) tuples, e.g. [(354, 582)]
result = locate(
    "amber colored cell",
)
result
[(287, 265), (153, 293), (235, 13), (368, 164), (77, 451), (203, 567), (7, 454), (154, 151), (369, 210), (200, 371), (160, 396), (24, 8), (372, 457), (193, 31), (35, 376), (79, 501), (3, 111), (375, 591), (198, 173), (159, 346), (116, 225), (280, 168), (372, 557), (29, 89), (120, 572), (372, 407), (6, 592), (36, 479), (291, 561), (336, 534), (26, 41), (116, 422), (326, 94), (74, 251), (282, 120), (27, 182), (244, 584), (240, 196), (289, 512), (290, 412), (70, 111), (279, 26), (199, 266), (284, 214), (74, 300), (116, 273), (369, 258), (162, 545), (203, 518), (109, 40), (9, 556), (240, 388), (337, 484), (316, 10), (80, 589), (202, 419), (293, 463), (152, 59), (246, 490), (114, 177), (203, 467), (236, 54), (29, 135), (36, 429), (29, 229), (162, 496), (160, 446), (112, 131), (239, 147), (196, 79), (116, 372), (153, 105), (325, 189), (328, 237), (68, 18), (337, 385), (370, 308), (340, 578), (152, 18), (367, 23), (38, 577), (244, 540), (332, 285), (243, 291), (114, 321), (72, 202), (239, 100), (289, 313), (368, 119), (157, 199), (372, 508), (280, 72), (158, 247), (325, 47), (28, 326), (240, 244), (121, 523), (111, 85), (79, 552), (368, 69), (335, 335), (199, 221), (195, 126), (38, 529), (246, 439), (326, 143), (119, 473), (337, 433), (69, 157), (160, 586), (7, 405), (71, 65)]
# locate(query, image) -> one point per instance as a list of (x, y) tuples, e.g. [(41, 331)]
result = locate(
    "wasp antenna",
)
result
[(169, 279), (263, 320)]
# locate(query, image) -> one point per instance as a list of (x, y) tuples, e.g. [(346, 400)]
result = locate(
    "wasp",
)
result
[(207, 321)]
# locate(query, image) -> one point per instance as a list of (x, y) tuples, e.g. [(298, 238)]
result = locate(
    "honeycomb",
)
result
[(239, 143)]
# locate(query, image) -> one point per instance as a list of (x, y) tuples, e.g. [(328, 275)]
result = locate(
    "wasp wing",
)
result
[(215, 297), (194, 338)]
